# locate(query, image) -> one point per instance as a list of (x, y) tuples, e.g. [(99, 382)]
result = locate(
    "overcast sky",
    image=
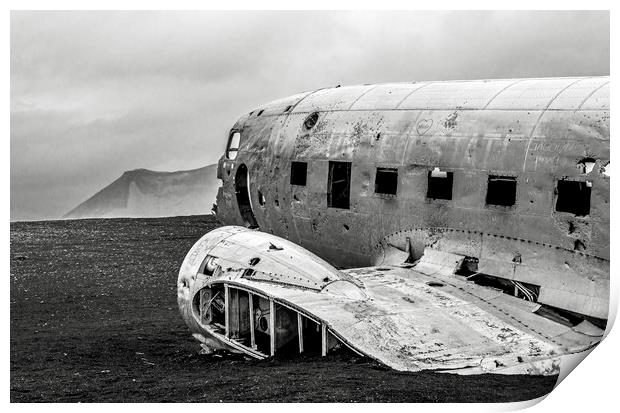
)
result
[(94, 94)]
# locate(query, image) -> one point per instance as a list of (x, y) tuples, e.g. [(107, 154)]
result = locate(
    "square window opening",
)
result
[(439, 184), (299, 172), (573, 197), (339, 185), (386, 181), (502, 190)]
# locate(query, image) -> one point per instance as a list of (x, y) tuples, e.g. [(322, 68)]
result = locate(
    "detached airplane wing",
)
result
[(254, 293)]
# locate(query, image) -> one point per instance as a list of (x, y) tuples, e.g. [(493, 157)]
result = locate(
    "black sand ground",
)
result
[(94, 319)]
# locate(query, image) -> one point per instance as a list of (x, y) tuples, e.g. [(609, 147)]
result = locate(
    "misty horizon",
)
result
[(95, 94)]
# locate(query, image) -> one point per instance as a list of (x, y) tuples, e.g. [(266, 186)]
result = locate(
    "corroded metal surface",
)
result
[(536, 130), (408, 318), (457, 277)]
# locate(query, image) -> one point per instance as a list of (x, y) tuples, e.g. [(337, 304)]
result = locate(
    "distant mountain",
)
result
[(144, 193)]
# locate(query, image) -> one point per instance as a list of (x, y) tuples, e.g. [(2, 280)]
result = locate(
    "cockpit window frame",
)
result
[(229, 145)]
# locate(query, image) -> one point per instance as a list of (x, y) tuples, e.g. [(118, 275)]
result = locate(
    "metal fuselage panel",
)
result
[(539, 131)]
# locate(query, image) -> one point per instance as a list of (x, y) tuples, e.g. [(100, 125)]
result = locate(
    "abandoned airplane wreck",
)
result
[(455, 226)]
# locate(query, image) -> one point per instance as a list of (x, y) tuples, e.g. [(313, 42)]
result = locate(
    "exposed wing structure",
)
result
[(258, 294)]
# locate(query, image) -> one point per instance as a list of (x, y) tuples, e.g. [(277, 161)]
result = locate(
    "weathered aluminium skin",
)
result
[(537, 132)]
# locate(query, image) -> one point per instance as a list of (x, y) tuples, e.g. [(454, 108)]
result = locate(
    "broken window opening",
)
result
[(208, 266), (299, 172), (311, 120), (233, 145), (386, 181), (573, 197), (439, 184), (339, 185), (209, 307), (501, 190), (586, 165)]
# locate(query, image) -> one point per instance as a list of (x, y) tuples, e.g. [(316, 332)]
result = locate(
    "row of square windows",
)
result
[(572, 196)]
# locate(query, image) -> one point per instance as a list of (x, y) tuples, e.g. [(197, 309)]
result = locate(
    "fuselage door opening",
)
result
[(242, 189)]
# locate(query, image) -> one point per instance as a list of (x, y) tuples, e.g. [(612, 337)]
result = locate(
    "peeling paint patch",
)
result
[(450, 122)]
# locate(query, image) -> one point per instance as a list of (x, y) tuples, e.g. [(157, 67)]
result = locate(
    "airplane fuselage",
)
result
[(512, 174)]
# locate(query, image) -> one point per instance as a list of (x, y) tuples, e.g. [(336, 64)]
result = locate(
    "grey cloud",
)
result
[(96, 93)]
